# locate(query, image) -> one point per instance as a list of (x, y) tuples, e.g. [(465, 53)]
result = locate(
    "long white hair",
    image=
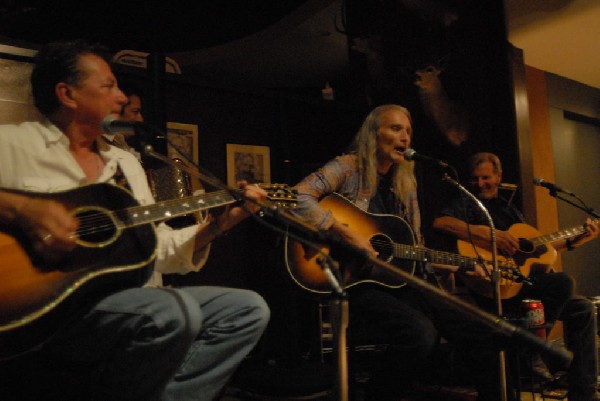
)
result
[(365, 147)]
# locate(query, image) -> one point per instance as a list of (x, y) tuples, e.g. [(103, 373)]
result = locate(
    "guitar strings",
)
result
[(409, 249), (90, 223), (448, 257)]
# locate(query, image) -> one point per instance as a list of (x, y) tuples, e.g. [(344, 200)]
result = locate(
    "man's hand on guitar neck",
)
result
[(232, 215), (591, 232), (49, 225)]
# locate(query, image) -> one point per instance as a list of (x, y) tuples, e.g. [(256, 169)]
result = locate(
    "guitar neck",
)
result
[(139, 215), (559, 235), (433, 256), (278, 195)]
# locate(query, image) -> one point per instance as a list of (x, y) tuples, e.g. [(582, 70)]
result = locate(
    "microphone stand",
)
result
[(495, 278), (339, 314)]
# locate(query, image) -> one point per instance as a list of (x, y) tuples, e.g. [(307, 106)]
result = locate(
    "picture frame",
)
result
[(248, 162), (185, 138)]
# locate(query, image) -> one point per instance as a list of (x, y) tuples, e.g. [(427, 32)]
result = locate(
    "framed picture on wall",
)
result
[(248, 162), (182, 144)]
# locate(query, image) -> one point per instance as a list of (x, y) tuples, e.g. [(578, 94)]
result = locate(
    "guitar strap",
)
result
[(120, 179)]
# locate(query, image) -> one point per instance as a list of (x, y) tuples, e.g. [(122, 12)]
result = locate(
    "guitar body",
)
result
[(532, 255), (38, 297), (379, 229)]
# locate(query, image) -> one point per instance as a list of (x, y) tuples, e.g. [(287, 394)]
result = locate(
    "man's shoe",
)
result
[(535, 366)]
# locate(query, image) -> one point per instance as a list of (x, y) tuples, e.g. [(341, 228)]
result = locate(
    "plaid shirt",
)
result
[(341, 175)]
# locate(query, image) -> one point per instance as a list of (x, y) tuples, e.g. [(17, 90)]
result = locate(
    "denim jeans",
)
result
[(233, 322), (150, 344)]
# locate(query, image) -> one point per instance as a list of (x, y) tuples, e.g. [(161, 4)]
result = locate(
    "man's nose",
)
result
[(121, 98)]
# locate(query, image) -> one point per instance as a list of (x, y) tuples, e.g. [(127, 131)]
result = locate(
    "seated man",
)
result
[(463, 220), (146, 344)]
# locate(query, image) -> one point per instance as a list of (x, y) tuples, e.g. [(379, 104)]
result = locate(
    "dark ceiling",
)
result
[(279, 43), (163, 26), (250, 43)]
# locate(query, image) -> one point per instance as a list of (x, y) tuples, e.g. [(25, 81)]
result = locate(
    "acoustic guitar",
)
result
[(535, 253), (116, 247), (390, 236)]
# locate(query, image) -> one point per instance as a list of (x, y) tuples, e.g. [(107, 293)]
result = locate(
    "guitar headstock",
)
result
[(282, 195)]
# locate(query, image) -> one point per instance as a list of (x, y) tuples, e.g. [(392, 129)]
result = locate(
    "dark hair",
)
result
[(131, 88), (58, 62)]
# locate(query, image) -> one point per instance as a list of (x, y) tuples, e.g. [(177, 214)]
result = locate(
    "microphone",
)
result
[(553, 188), (112, 125), (411, 154)]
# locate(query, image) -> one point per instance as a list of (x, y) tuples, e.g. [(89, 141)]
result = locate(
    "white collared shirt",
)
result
[(34, 156)]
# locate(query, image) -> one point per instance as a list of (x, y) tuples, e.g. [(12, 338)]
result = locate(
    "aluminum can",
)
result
[(533, 314)]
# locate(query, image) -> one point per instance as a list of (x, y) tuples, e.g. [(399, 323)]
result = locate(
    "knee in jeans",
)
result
[(259, 306), (184, 317)]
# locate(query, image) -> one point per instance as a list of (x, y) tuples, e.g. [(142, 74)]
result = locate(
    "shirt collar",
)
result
[(52, 133)]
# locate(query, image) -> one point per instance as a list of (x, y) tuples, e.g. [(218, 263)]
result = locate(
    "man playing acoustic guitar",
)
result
[(378, 181), (142, 344), (464, 221)]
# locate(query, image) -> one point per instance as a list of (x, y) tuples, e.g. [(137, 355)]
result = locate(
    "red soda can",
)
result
[(533, 313)]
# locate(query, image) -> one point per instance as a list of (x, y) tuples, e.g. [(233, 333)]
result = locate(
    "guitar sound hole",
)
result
[(96, 227), (383, 245), (525, 245)]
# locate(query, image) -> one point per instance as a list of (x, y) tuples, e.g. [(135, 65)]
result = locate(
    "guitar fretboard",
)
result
[(278, 195), (563, 234), (430, 255), (139, 215)]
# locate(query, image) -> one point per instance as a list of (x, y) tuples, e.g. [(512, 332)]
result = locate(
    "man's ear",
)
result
[(64, 94)]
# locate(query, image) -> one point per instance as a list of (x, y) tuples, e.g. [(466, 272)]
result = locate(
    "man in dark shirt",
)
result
[(463, 220)]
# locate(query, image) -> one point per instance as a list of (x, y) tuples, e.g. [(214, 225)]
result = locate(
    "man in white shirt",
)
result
[(146, 344)]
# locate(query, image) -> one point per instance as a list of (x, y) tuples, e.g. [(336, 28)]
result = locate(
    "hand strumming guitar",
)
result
[(47, 223)]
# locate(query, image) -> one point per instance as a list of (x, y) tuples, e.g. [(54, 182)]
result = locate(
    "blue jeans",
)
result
[(233, 322), (150, 344)]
